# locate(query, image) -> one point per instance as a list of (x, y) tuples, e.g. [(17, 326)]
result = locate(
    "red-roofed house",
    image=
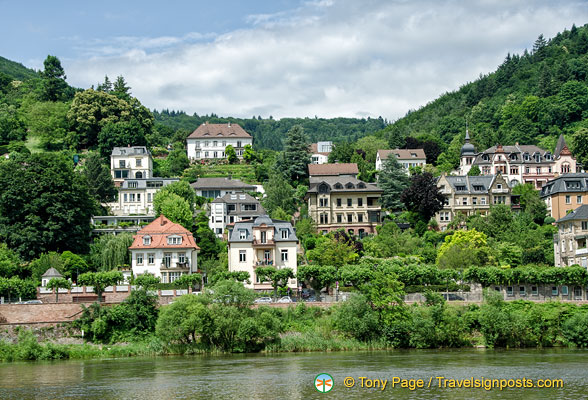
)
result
[(337, 169), (210, 140), (164, 249)]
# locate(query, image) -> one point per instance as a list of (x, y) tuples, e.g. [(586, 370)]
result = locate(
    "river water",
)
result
[(291, 376)]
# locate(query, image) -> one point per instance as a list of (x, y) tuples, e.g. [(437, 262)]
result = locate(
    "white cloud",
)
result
[(327, 58)]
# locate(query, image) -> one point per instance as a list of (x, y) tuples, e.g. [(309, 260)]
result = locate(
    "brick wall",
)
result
[(38, 313)]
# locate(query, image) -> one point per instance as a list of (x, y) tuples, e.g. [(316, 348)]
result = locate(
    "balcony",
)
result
[(582, 252), (267, 243), (176, 265), (264, 263), (499, 190)]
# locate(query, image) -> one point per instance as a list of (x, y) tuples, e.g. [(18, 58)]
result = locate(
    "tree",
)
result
[(231, 154), (58, 283), (423, 196), (173, 207), (393, 180), (249, 155), (48, 121), (278, 277), (210, 245), (278, 193), (102, 187), (100, 280), (53, 79), (463, 249), (120, 89), (531, 202), (73, 265), (330, 251), (341, 153), (111, 251), (146, 281), (120, 134), (580, 145), (188, 281), (182, 189), (318, 276), (296, 156), (23, 288), (106, 86), (9, 262), (11, 125), (54, 205), (474, 171), (178, 160), (370, 145)]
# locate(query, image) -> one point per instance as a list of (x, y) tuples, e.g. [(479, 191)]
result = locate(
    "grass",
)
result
[(243, 172)]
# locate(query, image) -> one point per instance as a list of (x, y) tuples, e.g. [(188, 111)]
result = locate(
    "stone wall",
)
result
[(38, 313)]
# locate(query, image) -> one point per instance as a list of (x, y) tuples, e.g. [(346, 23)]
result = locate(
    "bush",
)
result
[(575, 329)]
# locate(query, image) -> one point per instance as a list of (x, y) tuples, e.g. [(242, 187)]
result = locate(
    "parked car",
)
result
[(452, 297), (263, 300), (33, 302), (285, 299), (310, 298)]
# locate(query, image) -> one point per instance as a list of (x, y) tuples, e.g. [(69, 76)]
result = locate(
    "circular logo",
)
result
[(323, 383)]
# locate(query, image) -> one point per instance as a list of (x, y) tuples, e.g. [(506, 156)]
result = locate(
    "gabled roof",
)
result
[(159, 230), (333, 169), (221, 183), (209, 131), (566, 183), (402, 154), (580, 213), (562, 147)]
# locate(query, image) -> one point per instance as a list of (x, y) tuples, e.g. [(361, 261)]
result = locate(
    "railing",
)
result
[(581, 252), (262, 263), (178, 265)]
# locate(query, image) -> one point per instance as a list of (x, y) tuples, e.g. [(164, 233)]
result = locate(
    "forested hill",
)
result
[(531, 98), (269, 133), (15, 70)]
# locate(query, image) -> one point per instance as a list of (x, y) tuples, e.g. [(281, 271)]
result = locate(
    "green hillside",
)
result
[(531, 98), (16, 70)]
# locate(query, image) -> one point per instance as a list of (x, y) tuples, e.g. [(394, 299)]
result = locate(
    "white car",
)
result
[(263, 300), (285, 299)]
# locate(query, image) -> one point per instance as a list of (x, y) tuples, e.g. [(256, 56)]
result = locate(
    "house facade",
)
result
[(344, 202), (262, 242), (131, 162), (565, 193), (135, 196), (406, 157), (209, 141), (519, 163), (319, 152), (469, 195), (164, 249), (569, 243), (231, 208), (219, 187)]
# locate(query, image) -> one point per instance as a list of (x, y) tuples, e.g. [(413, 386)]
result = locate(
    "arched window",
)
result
[(139, 175)]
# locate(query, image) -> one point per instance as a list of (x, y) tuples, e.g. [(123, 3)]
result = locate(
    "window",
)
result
[(174, 240), (242, 234), (215, 154), (146, 240), (224, 143), (534, 290), (173, 276), (242, 256), (499, 186), (324, 218), (249, 207), (239, 143), (564, 290), (214, 143), (284, 233), (338, 202), (349, 202), (138, 196), (133, 185), (349, 218), (483, 201), (323, 188), (578, 199), (584, 225), (359, 217), (219, 231), (181, 258), (578, 292), (284, 254), (139, 258), (263, 237), (121, 164), (323, 202), (206, 143), (339, 218), (167, 260), (360, 202), (514, 170), (474, 200), (206, 154), (131, 196), (554, 291), (148, 197), (138, 162), (509, 291), (125, 197), (522, 291), (121, 174), (464, 201), (568, 199)]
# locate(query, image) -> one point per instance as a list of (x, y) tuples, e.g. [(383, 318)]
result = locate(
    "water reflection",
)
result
[(290, 376)]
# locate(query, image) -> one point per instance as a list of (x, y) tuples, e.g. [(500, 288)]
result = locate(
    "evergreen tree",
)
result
[(278, 194), (98, 175), (120, 89), (53, 79), (392, 179), (296, 156), (474, 171), (106, 86)]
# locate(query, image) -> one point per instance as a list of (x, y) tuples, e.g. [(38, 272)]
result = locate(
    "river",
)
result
[(291, 376)]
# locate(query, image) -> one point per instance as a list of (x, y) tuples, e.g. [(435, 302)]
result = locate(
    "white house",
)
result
[(261, 242), (135, 196), (218, 187), (209, 141), (232, 208), (131, 162), (406, 157), (164, 249), (320, 152)]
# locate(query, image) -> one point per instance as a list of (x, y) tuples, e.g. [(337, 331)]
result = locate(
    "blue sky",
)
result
[(282, 58)]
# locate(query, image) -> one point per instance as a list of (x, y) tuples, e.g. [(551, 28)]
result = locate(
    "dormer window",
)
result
[(485, 157), (548, 157), (284, 233), (242, 234), (513, 157), (349, 186), (338, 186), (174, 240), (460, 188), (147, 240), (361, 185), (527, 157), (478, 188), (323, 188)]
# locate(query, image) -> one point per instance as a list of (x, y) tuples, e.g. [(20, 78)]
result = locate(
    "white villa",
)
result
[(209, 141), (263, 241), (165, 250), (131, 162), (135, 196)]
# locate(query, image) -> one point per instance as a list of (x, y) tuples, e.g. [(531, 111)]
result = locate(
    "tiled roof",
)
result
[(333, 169), (220, 183), (342, 184), (566, 183), (219, 130), (53, 273), (159, 230), (580, 213), (403, 154)]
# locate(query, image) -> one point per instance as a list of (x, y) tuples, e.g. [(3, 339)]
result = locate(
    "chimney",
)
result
[(163, 220), (229, 124)]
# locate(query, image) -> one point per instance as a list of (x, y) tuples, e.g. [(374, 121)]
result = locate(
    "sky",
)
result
[(281, 58)]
